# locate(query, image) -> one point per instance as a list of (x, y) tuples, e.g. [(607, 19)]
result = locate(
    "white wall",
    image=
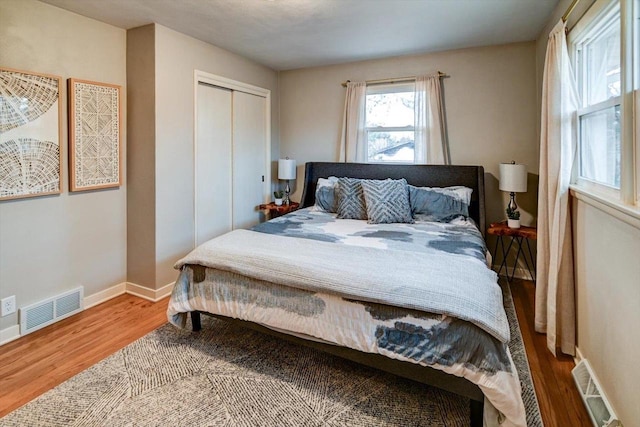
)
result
[(490, 99), (55, 243)]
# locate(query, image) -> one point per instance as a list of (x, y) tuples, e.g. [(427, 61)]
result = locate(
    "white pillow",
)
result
[(326, 194), (464, 193)]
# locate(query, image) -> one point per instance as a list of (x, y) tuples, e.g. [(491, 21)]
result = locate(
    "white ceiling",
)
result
[(288, 34)]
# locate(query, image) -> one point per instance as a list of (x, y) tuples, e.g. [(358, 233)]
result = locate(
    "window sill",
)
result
[(628, 214)]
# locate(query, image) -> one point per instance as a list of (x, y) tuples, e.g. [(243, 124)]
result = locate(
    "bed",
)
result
[(363, 291)]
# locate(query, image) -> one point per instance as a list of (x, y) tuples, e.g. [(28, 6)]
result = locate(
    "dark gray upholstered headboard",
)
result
[(418, 175)]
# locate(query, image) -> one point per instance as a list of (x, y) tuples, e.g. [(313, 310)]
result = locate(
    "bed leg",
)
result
[(195, 320), (476, 408)]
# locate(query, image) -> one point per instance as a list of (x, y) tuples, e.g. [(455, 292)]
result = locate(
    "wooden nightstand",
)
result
[(519, 236), (276, 211)]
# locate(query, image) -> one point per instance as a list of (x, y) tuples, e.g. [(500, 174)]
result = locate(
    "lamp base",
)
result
[(512, 203), (287, 190)]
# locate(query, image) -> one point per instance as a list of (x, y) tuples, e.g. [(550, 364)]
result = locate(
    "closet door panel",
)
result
[(213, 163), (249, 158)]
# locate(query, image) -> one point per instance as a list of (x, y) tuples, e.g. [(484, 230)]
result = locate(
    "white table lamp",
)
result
[(513, 178), (286, 171)]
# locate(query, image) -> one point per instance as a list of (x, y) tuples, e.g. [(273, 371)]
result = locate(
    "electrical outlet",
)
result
[(7, 306)]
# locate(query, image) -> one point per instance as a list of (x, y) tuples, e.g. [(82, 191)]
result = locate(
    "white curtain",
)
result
[(353, 143), (430, 127), (555, 296), (431, 144)]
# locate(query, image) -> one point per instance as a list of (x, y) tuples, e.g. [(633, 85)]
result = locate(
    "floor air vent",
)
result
[(597, 405), (44, 313)]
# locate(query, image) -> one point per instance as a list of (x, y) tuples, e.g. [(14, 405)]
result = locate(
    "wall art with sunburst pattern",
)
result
[(30, 152), (94, 135)]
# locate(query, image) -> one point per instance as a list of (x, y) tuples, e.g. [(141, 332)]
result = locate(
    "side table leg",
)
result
[(515, 263), (532, 271), (505, 252), (495, 249)]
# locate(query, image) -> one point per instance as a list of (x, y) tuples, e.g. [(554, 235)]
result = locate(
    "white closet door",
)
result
[(213, 173), (249, 158)]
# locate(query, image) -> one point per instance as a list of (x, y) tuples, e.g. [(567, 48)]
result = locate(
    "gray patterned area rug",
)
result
[(227, 375)]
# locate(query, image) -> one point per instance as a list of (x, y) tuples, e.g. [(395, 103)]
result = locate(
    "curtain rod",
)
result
[(396, 80), (569, 10)]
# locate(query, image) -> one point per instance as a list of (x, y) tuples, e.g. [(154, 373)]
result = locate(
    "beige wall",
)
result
[(490, 98), (171, 155), (608, 304), (607, 277), (55, 243), (141, 155)]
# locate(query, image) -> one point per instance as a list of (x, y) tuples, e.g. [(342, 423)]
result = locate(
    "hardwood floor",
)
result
[(37, 362), (559, 400), (40, 361)]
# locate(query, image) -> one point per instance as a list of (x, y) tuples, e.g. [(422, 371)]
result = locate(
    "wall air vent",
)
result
[(44, 313), (597, 405)]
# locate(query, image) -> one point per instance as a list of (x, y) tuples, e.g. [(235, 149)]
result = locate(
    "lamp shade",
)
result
[(513, 177), (286, 169)]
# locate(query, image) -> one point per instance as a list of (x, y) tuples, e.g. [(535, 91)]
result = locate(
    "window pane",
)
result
[(602, 62), (600, 146), (390, 109), (395, 146)]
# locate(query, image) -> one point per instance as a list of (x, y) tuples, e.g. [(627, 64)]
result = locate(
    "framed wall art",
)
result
[(30, 150), (94, 135)]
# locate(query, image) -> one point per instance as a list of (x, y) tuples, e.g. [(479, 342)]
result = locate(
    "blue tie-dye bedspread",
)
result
[(460, 236)]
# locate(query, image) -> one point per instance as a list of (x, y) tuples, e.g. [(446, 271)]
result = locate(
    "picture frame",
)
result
[(30, 134), (95, 135)]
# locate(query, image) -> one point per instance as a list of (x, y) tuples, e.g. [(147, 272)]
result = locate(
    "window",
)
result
[(597, 67), (390, 123)]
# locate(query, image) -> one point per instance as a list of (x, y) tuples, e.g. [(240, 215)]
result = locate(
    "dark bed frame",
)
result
[(420, 176), (417, 175)]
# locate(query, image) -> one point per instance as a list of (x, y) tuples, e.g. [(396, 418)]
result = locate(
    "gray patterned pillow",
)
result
[(387, 201), (350, 199)]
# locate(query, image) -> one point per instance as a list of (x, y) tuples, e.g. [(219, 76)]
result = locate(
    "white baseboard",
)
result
[(164, 291), (149, 294), (578, 357), (153, 295), (9, 334), (106, 295)]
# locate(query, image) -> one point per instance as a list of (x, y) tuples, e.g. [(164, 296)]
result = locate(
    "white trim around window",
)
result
[(624, 212), (626, 199), (386, 89)]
